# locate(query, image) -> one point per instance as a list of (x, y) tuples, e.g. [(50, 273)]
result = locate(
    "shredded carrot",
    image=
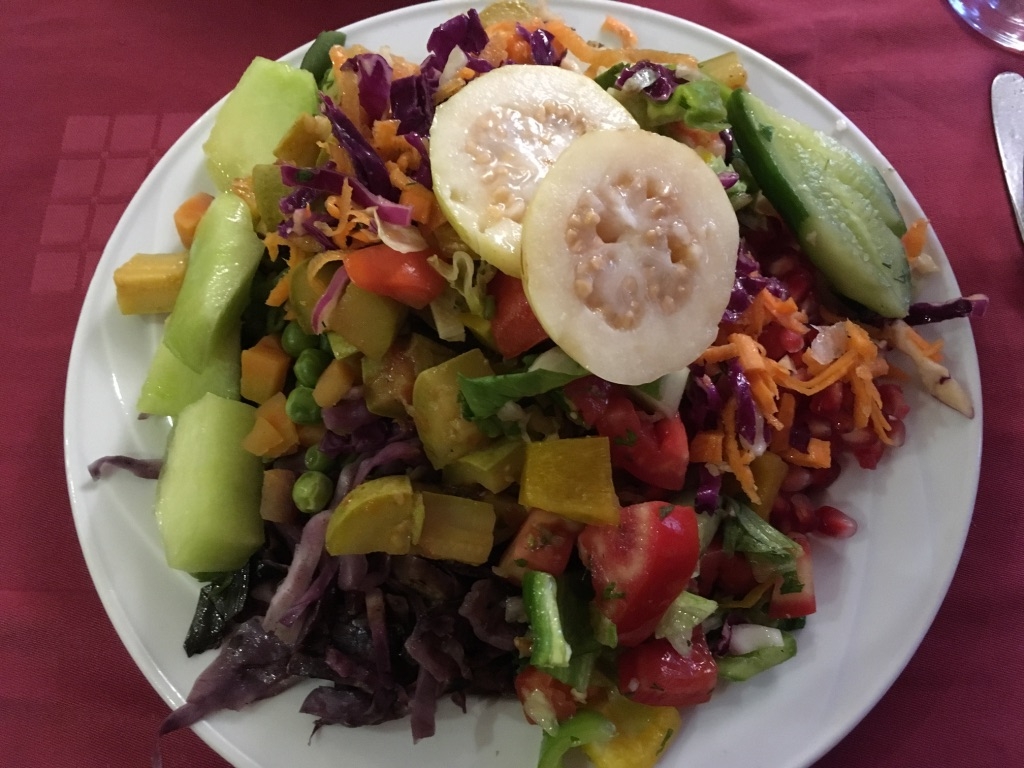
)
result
[(281, 291), (273, 243), (599, 58), (785, 415), (420, 199), (834, 372), (622, 31), (718, 353), (818, 455), (914, 238), (449, 89), (509, 45), (931, 349), (738, 459), (707, 447), (785, 312), (399, 179), (749, 352), (318, 262)]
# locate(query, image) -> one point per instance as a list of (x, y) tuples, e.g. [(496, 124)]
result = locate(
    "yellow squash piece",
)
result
[(381, 515), (148, 283), (445, 434)]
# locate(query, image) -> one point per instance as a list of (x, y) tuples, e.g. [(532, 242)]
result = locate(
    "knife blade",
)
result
[(1008, 119)]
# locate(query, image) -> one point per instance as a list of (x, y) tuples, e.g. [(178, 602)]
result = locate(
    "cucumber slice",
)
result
[(222, 262), (268, 98), (208, 494), (836, 203)]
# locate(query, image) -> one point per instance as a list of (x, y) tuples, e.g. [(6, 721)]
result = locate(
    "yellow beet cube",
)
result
[(572, 478)]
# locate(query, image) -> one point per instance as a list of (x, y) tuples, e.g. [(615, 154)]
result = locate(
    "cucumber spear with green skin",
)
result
[(837, 204)]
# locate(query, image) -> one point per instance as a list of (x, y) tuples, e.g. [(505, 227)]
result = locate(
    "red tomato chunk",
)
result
[(641, 565)]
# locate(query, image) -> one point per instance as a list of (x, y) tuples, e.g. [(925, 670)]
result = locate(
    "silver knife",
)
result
[(1008, 119)]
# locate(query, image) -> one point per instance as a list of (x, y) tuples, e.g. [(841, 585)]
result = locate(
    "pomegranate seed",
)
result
[(869, 456), (823, 478), (835, 523), (783, 264), (779, 342), (798, 281), (893, 402), (781, 515), (829, 401), (860, 438), (819, 428), (805, 518), (796, 480), (898, 433)]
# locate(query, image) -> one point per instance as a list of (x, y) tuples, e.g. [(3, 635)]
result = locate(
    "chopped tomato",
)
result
[(544, 543), (641, 565), (789, 605), (514, 326), (404, 277), (655, 452), (656, 674), (543, 697), (724, 572)]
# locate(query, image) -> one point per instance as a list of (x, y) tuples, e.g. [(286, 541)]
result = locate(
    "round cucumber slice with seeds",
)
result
[(836, 203), (494, 140)]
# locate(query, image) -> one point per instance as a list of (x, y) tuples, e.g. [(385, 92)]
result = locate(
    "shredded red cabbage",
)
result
[(748, 283), (541, 45), (412, 101), (728, 179), (421, 174), (313, 183), (655, 80), (328, 300), (370, 169), (374, 82), (147, 469), (464, 31), (709, 487)]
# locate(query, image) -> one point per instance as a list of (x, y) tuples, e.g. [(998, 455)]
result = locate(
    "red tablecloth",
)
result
[(91, 94)]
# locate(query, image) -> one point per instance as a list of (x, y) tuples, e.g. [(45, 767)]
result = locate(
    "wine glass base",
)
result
[(1002, 21)]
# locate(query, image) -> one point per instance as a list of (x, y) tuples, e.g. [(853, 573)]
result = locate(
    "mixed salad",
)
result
[(521, 370)]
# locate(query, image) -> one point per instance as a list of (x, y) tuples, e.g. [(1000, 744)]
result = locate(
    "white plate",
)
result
[(877, 593)]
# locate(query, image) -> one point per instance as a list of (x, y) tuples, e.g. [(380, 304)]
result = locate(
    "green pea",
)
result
[(294, 339), (318, 461), (309, 365), (312, 492), (300, 406)]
